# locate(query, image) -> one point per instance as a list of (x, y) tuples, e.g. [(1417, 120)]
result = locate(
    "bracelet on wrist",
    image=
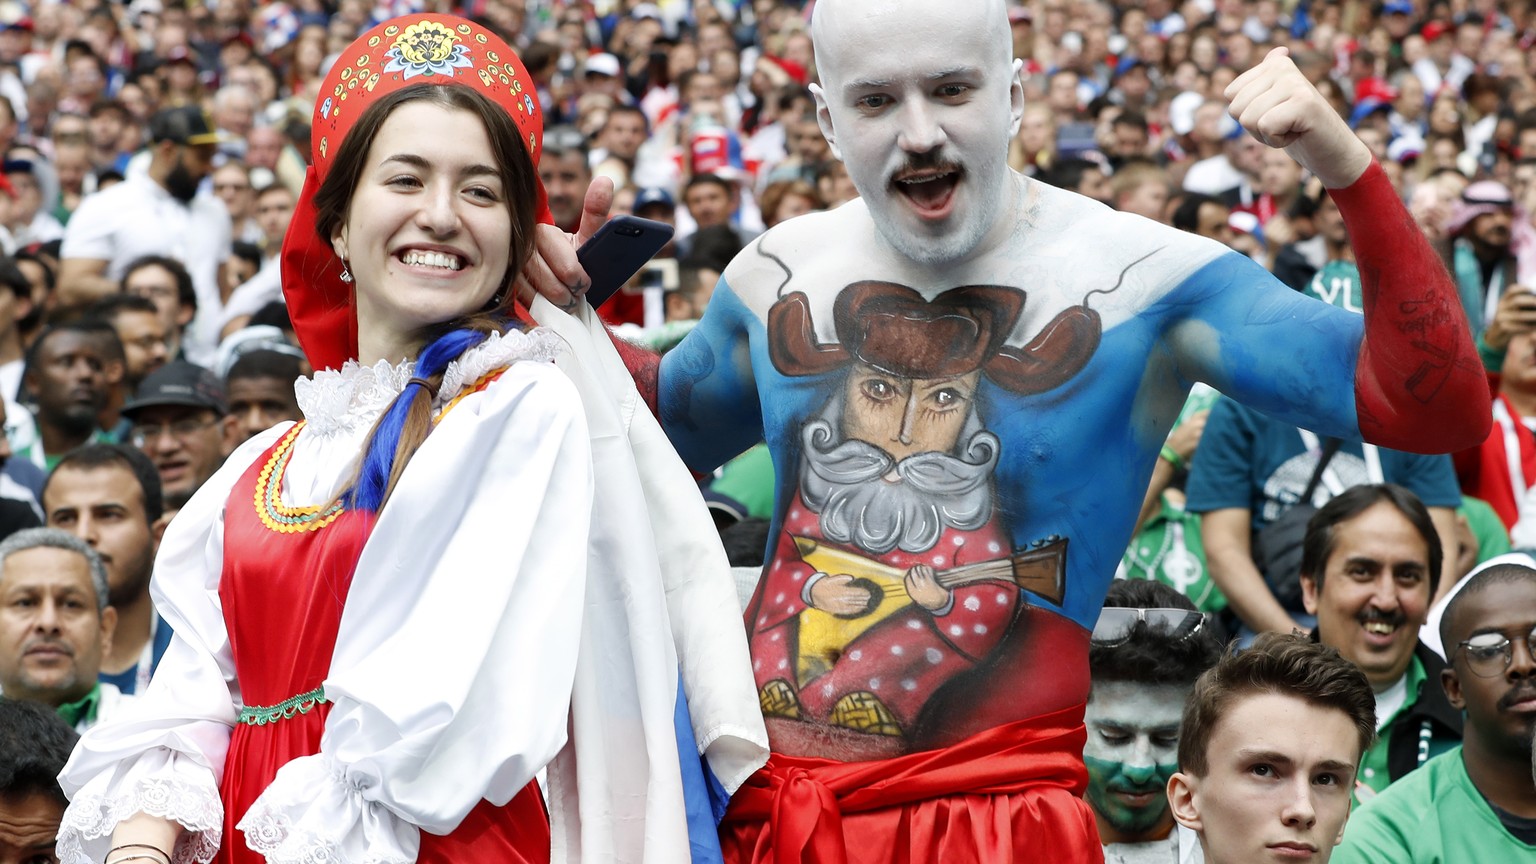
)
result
[(1173, 458)]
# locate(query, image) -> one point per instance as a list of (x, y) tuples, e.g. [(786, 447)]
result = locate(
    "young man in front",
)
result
[(1268, 749)]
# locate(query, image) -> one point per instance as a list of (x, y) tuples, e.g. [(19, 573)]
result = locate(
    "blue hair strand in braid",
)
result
[(379, 461)]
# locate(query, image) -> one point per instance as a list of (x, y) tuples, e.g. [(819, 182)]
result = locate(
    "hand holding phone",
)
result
[(617, 252), (1515, 314)]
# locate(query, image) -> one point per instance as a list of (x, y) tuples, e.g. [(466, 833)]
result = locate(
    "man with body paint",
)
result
[(1148, 647), (1094, 326)]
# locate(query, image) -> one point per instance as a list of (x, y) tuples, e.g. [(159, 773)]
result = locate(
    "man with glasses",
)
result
[(1478, 801), (181, 421), (232, 185), (166, 283), (139, 327), (1370, 564), (1148, 647)]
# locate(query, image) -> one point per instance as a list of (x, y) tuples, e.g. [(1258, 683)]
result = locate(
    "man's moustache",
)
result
[(1521, 693), (1395, 618), (56, 644)]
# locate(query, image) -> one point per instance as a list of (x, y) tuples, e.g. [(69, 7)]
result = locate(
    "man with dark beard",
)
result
[(109, 496), (158, 212), (1481, 229), (893, 575)]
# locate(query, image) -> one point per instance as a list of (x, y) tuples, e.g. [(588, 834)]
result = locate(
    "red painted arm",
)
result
[(1419, 384)]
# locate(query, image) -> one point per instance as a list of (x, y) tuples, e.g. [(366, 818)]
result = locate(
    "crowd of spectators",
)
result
[(154, 151)]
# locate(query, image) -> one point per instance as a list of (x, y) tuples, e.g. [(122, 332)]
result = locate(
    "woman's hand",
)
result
[(552, 270)]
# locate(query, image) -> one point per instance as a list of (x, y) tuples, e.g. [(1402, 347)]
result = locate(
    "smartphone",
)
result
[(617, 251)]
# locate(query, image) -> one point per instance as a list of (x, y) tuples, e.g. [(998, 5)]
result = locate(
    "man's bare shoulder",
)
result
[(805, 244), (1071, 249)]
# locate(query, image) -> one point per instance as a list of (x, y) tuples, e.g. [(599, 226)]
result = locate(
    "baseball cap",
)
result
[(185, 124), (1405, 147), (725, 509), (1397, 7), (180, 383), (1365, 108), (1434, 30), (654, 196), (1128, 63), (1181, 111), (602, 64), (179, 54)]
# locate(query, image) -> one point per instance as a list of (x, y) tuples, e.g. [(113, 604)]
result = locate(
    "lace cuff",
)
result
[(159, 783), (315, 813)]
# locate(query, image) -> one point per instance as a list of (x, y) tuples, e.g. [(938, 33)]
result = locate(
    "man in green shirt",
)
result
[(1477, 802), (1370, 563)]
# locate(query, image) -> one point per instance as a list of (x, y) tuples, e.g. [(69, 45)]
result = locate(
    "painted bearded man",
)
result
[(893, 573), (919, 99)]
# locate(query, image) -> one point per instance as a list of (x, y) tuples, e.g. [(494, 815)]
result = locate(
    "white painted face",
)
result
[(919, 99), (1132, 750)]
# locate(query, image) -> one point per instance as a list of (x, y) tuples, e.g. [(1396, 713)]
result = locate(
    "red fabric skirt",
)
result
[(283, 594), (1010, 794)]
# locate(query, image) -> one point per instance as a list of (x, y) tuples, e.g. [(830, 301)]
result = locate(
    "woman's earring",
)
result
[(346, 275)]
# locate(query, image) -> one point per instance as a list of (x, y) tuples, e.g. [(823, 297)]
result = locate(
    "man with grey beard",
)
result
[(894, 576)]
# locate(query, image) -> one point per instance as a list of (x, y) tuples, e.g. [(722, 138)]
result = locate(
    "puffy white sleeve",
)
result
[(454, 661), (163, 753)]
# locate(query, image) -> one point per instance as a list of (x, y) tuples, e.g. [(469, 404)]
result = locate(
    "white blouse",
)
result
[(468, 598)]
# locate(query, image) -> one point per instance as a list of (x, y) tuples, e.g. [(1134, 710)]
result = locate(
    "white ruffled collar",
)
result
[(354, 397)]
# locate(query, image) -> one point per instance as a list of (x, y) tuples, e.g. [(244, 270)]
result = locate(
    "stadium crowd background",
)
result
[(154, 152)]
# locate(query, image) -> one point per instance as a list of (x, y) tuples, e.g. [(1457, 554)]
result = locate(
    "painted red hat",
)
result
[(402, 52)]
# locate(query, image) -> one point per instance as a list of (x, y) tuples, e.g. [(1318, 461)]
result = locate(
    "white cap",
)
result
[(1181, 111), (602, 64)]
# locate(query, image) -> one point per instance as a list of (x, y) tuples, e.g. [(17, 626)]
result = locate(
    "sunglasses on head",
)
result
[(1116, 623)]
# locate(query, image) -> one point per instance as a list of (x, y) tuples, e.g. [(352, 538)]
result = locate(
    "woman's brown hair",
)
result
[(333, 201)]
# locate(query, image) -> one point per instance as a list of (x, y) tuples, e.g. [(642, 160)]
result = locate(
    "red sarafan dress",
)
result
[(286, 574)]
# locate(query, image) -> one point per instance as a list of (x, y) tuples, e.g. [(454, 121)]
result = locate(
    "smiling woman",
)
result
[(452, 476)]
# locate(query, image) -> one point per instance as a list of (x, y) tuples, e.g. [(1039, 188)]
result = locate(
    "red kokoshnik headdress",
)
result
[(402, 52)]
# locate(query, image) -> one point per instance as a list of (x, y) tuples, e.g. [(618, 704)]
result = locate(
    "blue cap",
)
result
[(1397, 7), (654, 195), (1368, 106), (1128, 63)]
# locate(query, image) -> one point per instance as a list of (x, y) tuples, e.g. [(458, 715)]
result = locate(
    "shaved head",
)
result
[(838, 25)]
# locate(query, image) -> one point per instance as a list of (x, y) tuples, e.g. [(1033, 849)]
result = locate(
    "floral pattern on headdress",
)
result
[(427, 48)]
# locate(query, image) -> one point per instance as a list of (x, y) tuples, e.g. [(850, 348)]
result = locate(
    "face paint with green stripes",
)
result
[(1132, 750)]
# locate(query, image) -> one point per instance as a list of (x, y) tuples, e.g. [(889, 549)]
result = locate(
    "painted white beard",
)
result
[(845, 483)]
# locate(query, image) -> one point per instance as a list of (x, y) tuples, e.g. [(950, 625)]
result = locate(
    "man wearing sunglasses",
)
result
[(1148, 647), (1478, 801), (1370, 563)]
